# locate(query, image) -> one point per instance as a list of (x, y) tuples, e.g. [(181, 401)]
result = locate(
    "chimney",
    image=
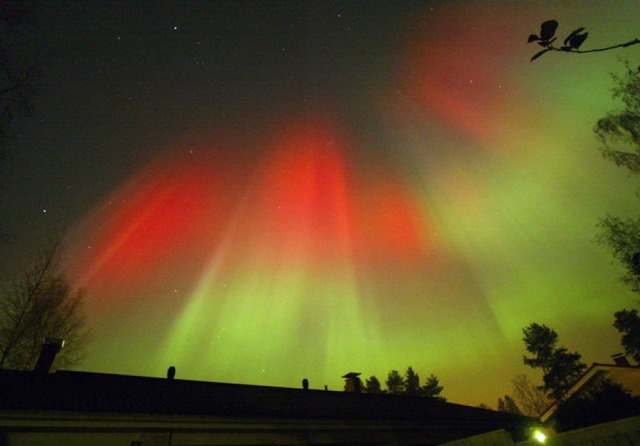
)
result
[(621, 360), (50, 348), (352, 383)]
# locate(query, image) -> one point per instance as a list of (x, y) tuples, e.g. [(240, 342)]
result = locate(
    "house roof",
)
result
[(66, 391), (626, 375)]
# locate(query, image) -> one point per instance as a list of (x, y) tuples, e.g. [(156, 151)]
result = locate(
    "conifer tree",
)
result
[(395, 383), (412, 383), (560, 367), (372, 385), (432, 388)]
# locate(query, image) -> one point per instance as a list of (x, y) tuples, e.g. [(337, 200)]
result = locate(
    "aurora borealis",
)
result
[(260, 192)]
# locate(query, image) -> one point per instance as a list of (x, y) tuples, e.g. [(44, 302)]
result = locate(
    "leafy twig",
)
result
[(571, 43)]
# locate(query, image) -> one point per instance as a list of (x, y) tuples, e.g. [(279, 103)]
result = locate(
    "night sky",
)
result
[(260, 192)]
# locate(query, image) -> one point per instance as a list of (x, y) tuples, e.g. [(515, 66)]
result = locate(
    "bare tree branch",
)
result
[(38, 304)]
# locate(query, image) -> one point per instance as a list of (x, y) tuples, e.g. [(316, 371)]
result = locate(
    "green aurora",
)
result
[(443, 196)]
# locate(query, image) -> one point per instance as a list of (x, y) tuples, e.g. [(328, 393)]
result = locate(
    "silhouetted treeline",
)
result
[(409, 384)]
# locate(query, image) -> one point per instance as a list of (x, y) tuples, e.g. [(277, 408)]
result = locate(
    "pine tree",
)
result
[(372, 385), (432, 388), (412, 383), (395, 383), (559, 366)]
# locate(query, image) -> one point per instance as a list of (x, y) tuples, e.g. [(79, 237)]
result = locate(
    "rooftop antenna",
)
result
[(50, 348)]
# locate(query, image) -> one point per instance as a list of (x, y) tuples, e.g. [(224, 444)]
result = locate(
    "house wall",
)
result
[(38, 429), (495, 438), (48, 438), (191, 438)]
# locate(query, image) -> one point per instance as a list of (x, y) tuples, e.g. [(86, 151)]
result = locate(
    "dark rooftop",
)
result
[(66, 391)]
